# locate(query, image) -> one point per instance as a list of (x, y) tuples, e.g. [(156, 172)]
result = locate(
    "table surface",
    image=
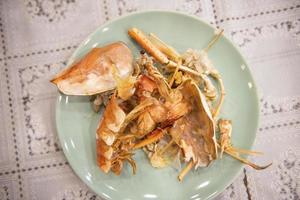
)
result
[(37, 37)]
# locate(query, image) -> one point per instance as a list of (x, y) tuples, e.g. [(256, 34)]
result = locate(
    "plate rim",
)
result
[(72, 59)]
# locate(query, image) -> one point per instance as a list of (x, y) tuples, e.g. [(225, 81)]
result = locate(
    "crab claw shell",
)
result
[(93, 73)]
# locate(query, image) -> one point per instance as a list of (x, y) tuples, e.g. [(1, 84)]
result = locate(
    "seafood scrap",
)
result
[(164, 103), (93, 73), (225, 127)]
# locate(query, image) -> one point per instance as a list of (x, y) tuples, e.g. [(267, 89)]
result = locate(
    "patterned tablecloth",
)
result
[(37, 37)]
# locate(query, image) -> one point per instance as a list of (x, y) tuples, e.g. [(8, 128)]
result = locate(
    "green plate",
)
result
[(76, 122)]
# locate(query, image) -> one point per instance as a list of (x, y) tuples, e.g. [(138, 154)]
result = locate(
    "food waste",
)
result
[(164, 103)]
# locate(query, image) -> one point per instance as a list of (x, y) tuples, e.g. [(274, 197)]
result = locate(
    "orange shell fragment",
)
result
[(93, 73)]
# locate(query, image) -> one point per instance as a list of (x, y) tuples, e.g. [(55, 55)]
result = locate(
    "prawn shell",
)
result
[(93, 73), (195, 132), (212, 133), (107, 133)]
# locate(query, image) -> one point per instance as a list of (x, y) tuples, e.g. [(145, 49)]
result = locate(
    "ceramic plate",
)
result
[(77, 123)]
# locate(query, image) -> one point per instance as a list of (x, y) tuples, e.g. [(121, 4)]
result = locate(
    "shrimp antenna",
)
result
[(214, 40)]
